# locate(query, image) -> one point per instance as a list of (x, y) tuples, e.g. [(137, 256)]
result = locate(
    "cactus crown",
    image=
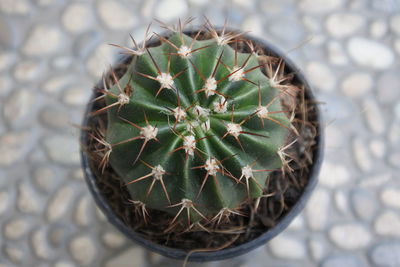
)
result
[(196, 125)]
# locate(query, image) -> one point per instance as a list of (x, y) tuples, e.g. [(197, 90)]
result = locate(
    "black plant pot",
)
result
[(228, 252)]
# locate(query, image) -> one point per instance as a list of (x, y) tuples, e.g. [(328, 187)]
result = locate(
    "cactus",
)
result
[(195, 127)]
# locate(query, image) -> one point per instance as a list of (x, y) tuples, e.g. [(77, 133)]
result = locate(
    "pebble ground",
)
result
[(53, 51)]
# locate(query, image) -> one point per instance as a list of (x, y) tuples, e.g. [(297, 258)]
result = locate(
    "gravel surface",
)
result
[(53, 51)]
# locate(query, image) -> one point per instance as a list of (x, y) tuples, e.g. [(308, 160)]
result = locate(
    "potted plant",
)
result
[(202, 143)]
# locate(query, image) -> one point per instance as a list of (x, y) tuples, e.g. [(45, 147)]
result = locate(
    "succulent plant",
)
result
[(196, 124)]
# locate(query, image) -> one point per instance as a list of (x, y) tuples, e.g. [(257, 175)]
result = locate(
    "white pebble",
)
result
[(374, 116), (43, 40), (82, 212), (397, 110), (318, 40), (394, 159), (317, 248), (45, 2), (297, 223), (395, 24), (56, 84), (369, 53), (100, 60), (378, 148), (113, 239), (6, 60), (364, 203), (321, 76), (19, 105), (78, 174), (147, 9), (391, 197), (5, 84), (127, 258), (15, 228), (376, 180), (116, 16), (14, 6), (286, 247), (362, 155), (388, 224), (27, 201), (77, 17), (100, 214), (64, 264), (13, 146), (243, 3), (14, 254), (334, 175), (83, 250), (317, 209), (77, 95), (350, 236), (62, 149), (357, 84), (333, 136), (336, 53), (394, 133), (255, 24), (341, 202), (28, 70), (388, 87), (59, 204), (55, 117), (39, 244), (199, 2), (341, 25), (341, 260), (171, 9), (4, 201), (320, 6), (378, 29), (62, 62), (44, 177), (311, 23), (397, 46)]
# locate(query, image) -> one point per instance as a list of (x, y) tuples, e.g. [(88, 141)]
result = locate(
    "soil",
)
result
[(282, 191)]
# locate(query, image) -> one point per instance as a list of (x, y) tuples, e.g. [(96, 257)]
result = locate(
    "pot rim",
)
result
[(227, 252)]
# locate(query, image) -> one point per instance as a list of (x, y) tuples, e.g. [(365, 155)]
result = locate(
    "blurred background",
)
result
[(53, 51)]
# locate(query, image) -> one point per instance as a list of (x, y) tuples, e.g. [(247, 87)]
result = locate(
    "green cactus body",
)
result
[(200, 131)]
